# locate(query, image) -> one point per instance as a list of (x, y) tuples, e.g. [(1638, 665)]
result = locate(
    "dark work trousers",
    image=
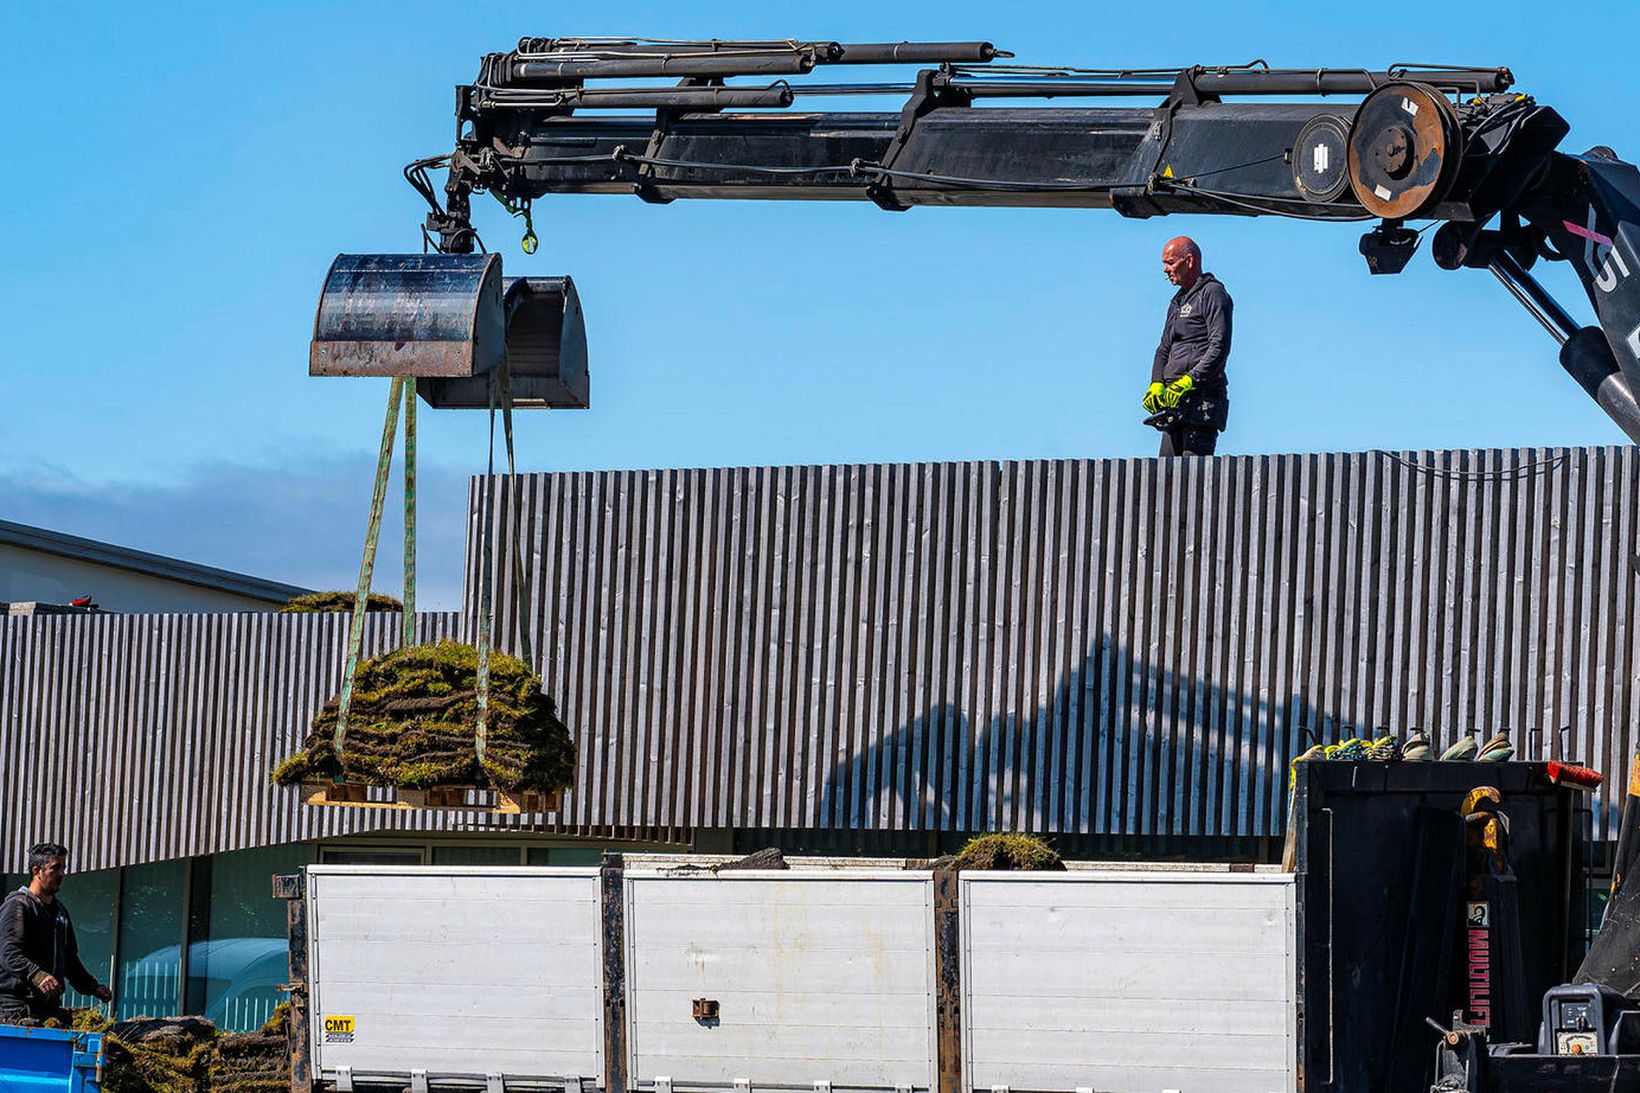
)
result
[(17, 1011), (1185, 439)]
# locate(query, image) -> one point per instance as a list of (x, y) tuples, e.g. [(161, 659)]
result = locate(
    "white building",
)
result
[(49, 567)]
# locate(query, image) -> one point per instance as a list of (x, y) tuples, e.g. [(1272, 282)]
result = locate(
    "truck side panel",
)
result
[(455, 972), (824, 977), (1127, 980)]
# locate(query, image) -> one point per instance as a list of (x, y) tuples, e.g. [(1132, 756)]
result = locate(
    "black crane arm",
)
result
[(955, 141), (722, 119)]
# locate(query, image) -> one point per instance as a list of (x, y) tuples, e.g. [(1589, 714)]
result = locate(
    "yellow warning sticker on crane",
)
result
[(339, 1030)]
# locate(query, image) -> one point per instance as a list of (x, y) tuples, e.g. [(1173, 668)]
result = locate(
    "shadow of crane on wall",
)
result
[(1117, 746)]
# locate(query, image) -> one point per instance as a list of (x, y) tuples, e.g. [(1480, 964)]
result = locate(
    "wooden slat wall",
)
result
[(1116, 646)]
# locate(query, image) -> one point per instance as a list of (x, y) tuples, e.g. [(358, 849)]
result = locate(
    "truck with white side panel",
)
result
[(665, 974)]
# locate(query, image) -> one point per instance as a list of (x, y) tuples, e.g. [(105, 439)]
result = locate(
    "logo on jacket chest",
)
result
[(1184, 311)]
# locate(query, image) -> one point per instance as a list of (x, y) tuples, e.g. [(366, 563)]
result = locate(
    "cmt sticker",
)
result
[(338, 1030)]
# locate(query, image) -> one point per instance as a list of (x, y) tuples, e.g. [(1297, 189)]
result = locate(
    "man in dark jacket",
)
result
[(38, 952), (1187, 385)]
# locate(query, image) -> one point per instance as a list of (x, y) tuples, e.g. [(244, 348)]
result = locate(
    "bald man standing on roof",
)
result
[(1188, 398)]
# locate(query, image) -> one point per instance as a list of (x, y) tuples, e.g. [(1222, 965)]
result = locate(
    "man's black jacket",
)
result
[(37, 936), (1196, 337)]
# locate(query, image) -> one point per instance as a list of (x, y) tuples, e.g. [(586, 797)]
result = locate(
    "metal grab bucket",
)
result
[(446, 320), (546, 352), (409, 315)]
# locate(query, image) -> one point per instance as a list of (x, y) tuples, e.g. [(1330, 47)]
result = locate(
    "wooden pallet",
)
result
[(357, 795)]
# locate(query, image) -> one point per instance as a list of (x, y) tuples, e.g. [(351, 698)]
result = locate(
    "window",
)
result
[(90, 899), (477, 855), (151, 927), (239, 951), (566, 855), (385, 855)]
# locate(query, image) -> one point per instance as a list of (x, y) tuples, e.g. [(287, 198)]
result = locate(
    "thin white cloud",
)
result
[(302, 524)]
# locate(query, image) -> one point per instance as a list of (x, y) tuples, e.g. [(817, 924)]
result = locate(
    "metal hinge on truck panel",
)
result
[(948, 981), (612, 908), (292, 888)]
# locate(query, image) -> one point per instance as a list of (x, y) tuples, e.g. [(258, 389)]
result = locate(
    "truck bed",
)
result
[(825, 977)]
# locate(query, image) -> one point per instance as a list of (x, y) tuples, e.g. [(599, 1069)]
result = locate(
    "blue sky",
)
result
[(182, 176)]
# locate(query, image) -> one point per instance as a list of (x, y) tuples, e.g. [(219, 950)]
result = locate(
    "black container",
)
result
[(1382, 911)]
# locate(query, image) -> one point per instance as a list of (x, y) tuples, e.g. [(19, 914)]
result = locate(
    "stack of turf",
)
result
[(413, 720), (189, 1055), (253, 1062), (315, 602), (1007, 851), (151, 1054)]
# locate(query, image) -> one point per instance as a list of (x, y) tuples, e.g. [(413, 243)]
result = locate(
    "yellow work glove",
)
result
[(1152, 402), (1173, 392)]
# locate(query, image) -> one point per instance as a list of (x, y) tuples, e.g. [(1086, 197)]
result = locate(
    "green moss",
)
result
[(201, 1061), (413, 720), (314, 602), (253, 1062), (89, 1020), (1008, 851), (131, 1068)]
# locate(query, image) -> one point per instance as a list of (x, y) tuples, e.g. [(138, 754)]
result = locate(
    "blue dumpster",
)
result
[(45, 1060)]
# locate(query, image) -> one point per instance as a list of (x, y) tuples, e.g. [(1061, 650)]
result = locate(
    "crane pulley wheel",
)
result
[(1404, 150), (1320, 156)]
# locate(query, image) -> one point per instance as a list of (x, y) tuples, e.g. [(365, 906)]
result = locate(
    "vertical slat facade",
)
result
[(1130, 647), (137, 738), (1118, 647)]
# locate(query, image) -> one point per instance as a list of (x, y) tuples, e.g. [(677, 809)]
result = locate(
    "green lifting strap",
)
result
[(520, 594), (500, 390), (409, 512), (481, 732), (367, 564)]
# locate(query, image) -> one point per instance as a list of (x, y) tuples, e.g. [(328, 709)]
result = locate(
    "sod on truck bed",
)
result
[(1007, 851), (189, 1054), (252, 1062), (412, 725)]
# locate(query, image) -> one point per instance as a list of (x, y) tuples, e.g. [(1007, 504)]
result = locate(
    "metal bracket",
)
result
[(418, 1081), (932, 91), (1186, 93), (822, 1087), (494, 1083), (644, 187), (612, 915), (743, 1085), (344, 1079), (1131, 201), (663, 1084)]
